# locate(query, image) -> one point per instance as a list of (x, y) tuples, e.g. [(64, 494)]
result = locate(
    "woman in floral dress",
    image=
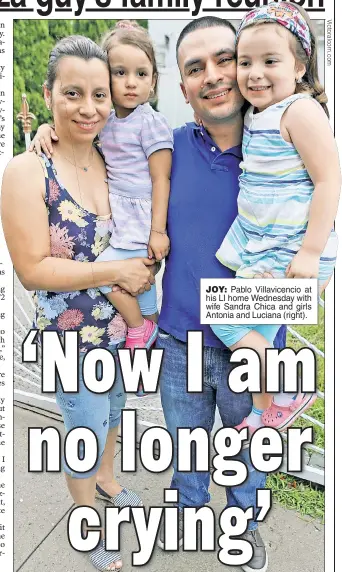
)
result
[(56, 222)]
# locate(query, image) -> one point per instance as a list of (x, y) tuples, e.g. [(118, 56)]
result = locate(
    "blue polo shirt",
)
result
[(202, 207)]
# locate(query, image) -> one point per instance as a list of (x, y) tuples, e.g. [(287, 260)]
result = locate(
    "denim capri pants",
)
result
[(96, 411)]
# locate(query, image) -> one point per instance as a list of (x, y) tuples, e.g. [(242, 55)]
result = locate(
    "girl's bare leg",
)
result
[(258, 343), (128, 308), (152, 317)]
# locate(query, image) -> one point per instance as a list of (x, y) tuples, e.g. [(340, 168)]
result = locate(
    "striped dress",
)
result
[(273, 202)]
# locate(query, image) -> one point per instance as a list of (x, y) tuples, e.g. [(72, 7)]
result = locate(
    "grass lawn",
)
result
[(306, 498)]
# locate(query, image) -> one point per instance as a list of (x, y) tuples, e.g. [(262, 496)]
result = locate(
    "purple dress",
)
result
[(76, 234)]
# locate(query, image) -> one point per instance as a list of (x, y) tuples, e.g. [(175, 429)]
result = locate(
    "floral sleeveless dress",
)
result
[(76, 234)]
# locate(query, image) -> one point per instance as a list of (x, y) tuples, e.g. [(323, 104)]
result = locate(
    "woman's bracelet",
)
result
[(158, 231)]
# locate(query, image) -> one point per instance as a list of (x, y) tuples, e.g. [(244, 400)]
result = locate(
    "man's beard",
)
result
[(234, 108), (223, 117)]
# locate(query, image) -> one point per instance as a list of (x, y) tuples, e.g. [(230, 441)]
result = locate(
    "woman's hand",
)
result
[(156, 266), (304, 265), (135, 276), (42, 140), (158, 246)]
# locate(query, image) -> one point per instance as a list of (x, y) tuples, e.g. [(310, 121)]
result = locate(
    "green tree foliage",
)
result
[(93, 29), (32, 43)]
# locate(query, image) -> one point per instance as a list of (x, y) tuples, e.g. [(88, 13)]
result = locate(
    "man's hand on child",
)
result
[(42, 141), (305, 264), (159, 245)]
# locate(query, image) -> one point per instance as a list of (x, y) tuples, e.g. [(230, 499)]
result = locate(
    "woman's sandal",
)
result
[(101, 559), (125, 498), (280, 416)]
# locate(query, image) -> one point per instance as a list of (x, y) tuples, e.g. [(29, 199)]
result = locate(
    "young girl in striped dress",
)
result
[(290, 181)]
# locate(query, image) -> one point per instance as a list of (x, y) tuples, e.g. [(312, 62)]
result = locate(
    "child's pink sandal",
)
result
[(282, 416), (146, 341)]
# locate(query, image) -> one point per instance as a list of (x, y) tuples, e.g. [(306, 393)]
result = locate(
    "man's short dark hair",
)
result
[(201, 24)]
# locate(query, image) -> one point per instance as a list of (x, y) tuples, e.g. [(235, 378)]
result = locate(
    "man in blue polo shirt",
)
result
[(203, 204)]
